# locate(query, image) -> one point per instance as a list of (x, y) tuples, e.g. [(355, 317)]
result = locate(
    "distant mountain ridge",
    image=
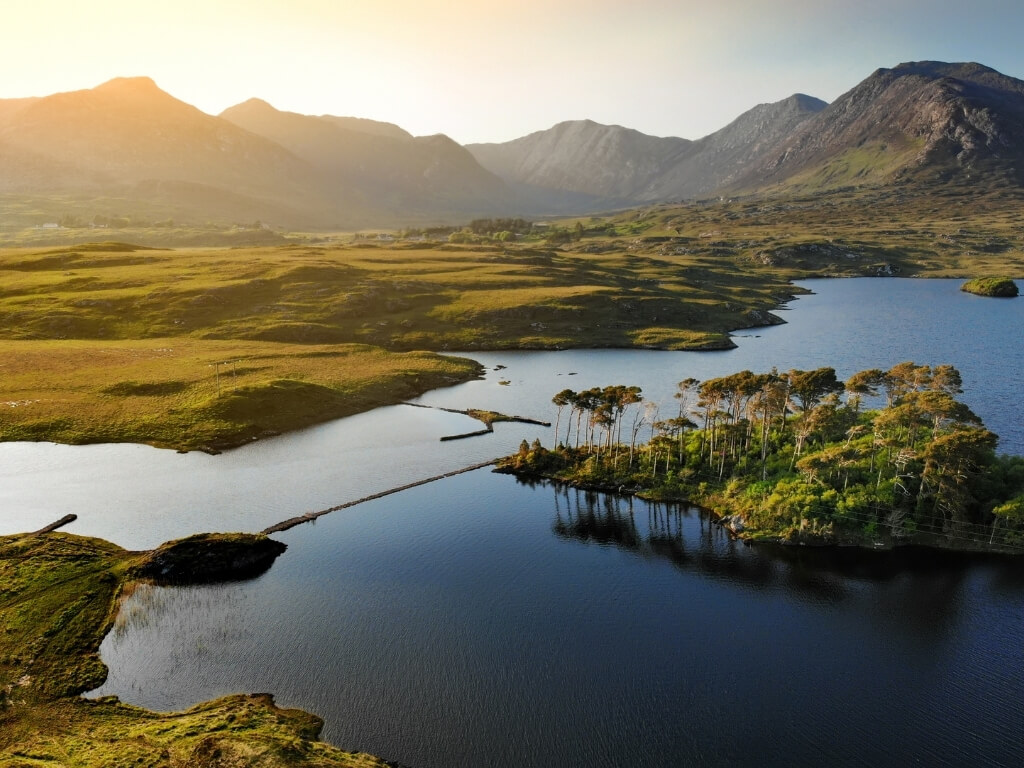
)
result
[(127, 142), (129, 138), (394, 171), (582, 156), (623, 165)]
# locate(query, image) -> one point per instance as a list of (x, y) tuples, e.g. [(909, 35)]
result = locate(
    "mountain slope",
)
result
[(127, 132), (620, 165), (128, 147), (130, 130), (364, 125), (396, 172), (584, 157), (11, 107), (719, 158), (921, 120)]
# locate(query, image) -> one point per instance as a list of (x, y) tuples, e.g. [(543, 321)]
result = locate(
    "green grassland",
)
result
[(938, 231), (414, 296), (192, 393), (212, 347), (58, 597)]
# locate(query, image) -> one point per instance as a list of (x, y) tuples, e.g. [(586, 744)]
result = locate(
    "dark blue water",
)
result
[(479, 621), (484, 622)]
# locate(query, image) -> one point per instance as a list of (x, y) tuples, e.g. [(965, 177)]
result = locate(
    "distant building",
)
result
[(50, 225)]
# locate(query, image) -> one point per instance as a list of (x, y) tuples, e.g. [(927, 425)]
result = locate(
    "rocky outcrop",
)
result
[(207, 557), (998, 287)]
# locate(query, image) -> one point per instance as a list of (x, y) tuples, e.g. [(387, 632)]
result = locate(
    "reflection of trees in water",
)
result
[(598, 517), (644, 528), (919, 587)]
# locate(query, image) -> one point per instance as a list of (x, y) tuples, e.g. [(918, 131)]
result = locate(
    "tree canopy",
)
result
[(795, 455)]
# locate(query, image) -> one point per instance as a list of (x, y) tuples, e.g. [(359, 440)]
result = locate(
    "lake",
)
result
[(481, 621)]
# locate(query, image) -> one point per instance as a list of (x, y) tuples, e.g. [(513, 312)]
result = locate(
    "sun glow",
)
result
[(489, 70)]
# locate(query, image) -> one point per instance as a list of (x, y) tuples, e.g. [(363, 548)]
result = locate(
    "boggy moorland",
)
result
[(215, 347)]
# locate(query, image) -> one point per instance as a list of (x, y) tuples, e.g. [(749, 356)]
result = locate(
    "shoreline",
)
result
[(49, 660), (734, 525)]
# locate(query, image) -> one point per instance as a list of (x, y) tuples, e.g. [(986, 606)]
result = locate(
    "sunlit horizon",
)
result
[(483, 71)]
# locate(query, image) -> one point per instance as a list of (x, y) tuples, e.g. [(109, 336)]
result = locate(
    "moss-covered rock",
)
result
[(1001, 287)]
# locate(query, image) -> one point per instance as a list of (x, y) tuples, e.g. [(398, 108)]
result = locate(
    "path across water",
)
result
[(291, 522)]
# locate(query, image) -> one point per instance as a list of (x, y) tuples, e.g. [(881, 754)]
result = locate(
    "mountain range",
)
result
[(128, 144)]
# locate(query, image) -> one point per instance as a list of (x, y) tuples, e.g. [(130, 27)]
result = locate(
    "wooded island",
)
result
[(795, 457)]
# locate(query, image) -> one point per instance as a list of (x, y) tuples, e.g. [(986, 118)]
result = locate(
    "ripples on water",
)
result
[(482, 621)]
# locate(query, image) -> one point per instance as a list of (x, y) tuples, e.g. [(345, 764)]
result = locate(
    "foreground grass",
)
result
[(58, 596), (190, 393)]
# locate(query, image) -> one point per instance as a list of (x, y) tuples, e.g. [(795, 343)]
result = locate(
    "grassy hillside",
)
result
[(939, 231)]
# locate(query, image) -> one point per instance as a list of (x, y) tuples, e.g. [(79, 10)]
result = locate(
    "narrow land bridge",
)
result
[(308, 516)]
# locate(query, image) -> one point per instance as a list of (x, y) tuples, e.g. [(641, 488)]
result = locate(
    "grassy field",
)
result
[(195, 393), (58, 596), (415, 296), (212, 347)]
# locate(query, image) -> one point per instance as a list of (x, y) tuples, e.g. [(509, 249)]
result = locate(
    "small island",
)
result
[(795, 458), (999, 287)]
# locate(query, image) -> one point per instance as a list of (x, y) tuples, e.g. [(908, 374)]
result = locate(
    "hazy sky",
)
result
[(488, 70)]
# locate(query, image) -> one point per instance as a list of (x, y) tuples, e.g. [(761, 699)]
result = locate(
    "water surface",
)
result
[(484, 622)]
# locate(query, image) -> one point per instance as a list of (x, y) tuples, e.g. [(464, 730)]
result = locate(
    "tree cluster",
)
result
[(797, 454), (492, 227)]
